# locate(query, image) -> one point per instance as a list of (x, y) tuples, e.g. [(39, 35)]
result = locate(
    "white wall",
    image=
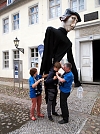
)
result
[(32, 35)]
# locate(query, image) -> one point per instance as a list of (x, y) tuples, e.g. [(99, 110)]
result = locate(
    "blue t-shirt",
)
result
[(65, 87), (34, 92)]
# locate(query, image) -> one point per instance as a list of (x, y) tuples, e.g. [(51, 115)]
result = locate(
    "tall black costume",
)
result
[(56, 45)]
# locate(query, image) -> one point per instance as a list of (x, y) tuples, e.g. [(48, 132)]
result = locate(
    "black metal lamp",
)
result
[(16, 42)]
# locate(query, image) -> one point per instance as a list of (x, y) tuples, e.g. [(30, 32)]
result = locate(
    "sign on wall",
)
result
[(41, 49)]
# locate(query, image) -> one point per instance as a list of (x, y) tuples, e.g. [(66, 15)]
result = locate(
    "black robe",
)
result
[(56, 45)]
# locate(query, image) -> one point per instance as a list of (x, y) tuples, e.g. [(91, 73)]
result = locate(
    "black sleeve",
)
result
[(48, 50)]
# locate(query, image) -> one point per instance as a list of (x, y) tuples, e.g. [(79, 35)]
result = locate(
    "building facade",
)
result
[(27, 20)]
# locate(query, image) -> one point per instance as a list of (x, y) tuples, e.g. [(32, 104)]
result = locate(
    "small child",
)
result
[(51, 87), (35, 87)]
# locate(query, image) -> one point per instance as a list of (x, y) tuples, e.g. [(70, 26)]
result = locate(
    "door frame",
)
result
[(78, 42)]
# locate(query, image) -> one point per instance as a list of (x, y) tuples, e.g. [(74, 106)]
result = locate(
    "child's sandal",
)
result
[(33, 118)]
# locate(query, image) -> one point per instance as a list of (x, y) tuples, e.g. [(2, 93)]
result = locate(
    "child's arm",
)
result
[(44, 76), (36, 83)]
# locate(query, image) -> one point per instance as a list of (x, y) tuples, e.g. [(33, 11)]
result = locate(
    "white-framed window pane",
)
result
[(6, 59), (51, 2), (16, 54), (52, 12), (16, 24), (33, 15), (97, 2), (34, 57), (16, 21), (54, 8), (34, 19), (77, 5), (6, 64), (81, 4), (74, 5), (6, 25), (58, 11), (58, 1)]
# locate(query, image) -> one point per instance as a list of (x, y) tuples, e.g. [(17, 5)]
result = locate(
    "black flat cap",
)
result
[(68, 13)]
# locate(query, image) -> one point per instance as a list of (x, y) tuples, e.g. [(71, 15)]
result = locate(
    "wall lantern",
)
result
[(16, 42)]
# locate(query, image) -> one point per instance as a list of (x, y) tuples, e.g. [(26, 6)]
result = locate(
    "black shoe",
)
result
[(55, 113), (50, 118), (62, 122)]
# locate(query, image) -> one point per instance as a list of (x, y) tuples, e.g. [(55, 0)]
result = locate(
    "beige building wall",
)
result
[(32, 35)]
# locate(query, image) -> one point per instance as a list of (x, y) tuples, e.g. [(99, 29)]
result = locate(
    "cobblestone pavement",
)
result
[(84, 113), (13, 113)]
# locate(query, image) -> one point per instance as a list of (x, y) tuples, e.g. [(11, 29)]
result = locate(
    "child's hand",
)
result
[(41, 80), (57, 73), (55, 77)]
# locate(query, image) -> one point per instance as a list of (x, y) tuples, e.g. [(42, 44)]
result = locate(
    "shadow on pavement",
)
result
[(12, 116)]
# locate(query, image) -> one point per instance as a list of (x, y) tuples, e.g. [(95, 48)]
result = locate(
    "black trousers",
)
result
[(64, 105), (52, 96)]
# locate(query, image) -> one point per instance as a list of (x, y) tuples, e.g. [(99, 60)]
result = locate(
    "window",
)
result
[(34, 57), (6, 25), (6, 59), (77, 5), (16, 21), (9, 2), (98, 2), (54, 8), (33, 15), (16, 54)]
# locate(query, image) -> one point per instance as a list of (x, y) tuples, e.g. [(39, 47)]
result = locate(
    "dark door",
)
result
[(96, 60)]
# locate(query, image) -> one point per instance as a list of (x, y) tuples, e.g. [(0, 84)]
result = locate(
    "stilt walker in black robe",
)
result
[(57, 44)]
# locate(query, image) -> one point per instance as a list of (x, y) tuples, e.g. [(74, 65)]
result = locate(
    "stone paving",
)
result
[(13, 113), (84, 113)]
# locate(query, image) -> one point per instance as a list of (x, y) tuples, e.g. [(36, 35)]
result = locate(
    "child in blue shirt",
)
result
[(35, 87)]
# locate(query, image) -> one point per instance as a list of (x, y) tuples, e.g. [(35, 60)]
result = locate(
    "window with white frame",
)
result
[(33, 15), (6, 59), (54, 8), (9, 2), (16, 21), (6, 25), (34, 57), (77, 5), (16, 54), (98, 1)]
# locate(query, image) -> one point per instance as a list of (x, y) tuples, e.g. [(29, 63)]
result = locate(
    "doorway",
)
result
[(96, 61)]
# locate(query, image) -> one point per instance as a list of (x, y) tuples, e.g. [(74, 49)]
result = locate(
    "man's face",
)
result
[(66, 69), (70, 23)]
